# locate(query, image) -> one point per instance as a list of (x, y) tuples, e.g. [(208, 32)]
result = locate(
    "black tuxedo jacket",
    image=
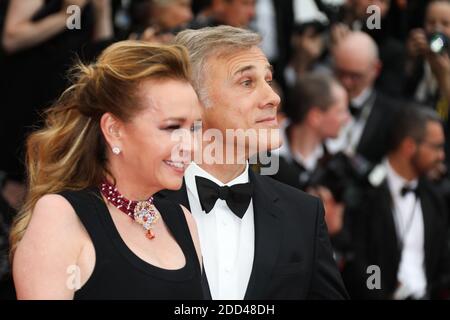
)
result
[(375, 136), (375, 242), (293, 257)]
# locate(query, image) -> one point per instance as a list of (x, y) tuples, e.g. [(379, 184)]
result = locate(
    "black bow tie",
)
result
[(237, 196), (407, 189), (355, 111)]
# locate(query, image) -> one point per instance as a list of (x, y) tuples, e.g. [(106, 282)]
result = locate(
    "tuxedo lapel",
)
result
[(267, 237), (371, 127), (428, 225), (388, 224)]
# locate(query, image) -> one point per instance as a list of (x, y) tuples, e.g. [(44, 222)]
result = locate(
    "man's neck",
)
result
[(224, 172), (402, 167), (303, 140)]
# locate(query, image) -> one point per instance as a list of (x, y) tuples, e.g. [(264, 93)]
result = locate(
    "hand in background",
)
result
[(334, 211)]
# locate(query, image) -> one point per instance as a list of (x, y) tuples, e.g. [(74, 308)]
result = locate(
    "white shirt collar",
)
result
[(397, 182), (310, 162), (362, 98)]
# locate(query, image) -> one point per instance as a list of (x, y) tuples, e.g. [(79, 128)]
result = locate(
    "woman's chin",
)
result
[(173, 184)]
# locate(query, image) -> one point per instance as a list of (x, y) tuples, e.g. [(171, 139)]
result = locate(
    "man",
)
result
[(400, 226), (356, 65), (364, 15), (236, 13), (317, 111), (261, 239)]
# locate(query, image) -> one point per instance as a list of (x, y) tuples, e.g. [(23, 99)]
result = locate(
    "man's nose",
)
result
[(271, 99)]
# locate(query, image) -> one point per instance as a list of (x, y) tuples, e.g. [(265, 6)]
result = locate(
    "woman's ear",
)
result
[(111, 128)]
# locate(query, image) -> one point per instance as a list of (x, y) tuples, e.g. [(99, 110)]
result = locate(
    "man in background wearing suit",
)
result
[(357, 65), (401, 222), (260, 239)]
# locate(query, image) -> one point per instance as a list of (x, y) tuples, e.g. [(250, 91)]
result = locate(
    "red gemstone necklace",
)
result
[(143, 212)]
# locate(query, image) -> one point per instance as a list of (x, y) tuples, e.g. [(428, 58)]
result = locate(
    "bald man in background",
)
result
[(357, 65)]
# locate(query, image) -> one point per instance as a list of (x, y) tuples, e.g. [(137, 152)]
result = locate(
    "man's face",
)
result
[(336, 116), (360, 7), (430, 152), (438, 18), (355, 71), (174, 14), (238, 13), (240, 94)]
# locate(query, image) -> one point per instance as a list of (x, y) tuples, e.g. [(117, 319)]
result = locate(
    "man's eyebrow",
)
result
[(243, 69), (269, 67)]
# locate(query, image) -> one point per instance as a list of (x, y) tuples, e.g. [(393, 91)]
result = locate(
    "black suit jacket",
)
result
[(375, 242), (293, 257), (375, 137)]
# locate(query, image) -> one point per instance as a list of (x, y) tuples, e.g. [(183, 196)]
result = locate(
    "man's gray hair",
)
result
[(209, 41)]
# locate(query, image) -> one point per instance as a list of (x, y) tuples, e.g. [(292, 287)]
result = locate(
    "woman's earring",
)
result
[(116, 150)]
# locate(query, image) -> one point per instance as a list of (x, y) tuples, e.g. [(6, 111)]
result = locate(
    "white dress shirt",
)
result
[(408, 219), (227, 242)]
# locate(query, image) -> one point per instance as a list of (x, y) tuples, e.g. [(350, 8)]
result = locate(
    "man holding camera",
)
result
[(317, 111)]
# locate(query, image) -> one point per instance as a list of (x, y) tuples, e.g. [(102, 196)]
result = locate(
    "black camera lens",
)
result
[(438, 43)]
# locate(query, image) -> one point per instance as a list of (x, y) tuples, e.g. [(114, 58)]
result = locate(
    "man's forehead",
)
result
[(246, 59)]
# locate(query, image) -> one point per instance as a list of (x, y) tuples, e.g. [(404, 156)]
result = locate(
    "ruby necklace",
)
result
[(143, 212)]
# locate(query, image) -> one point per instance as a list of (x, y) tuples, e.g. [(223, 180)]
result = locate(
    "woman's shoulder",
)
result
[(53, 216), (54, 228)]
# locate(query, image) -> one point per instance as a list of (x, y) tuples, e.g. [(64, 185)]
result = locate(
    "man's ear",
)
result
[(315, 116), (111, 128), (409, 146), (378, 68)]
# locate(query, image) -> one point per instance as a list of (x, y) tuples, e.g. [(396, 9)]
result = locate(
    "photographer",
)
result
[(428, 65), (317, 111)]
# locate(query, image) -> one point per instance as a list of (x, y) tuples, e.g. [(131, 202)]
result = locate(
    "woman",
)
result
[(39, 48), (107, 143)]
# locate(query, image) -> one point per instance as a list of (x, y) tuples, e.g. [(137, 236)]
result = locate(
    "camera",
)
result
[(342, 175), (438, 43)]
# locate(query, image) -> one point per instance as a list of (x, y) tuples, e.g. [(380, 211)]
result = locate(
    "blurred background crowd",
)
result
[(365, 87)]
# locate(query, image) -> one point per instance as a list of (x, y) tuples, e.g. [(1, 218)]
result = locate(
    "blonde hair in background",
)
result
[(69, 152)]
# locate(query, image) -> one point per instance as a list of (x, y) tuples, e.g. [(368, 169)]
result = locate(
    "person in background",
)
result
[(235, 13), (317, 111), (357, 65), (165, 18), (39, 51), (428, 72), (401, 222)]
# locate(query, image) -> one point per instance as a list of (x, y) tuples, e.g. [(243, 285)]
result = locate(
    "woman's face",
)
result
[(147, 141)]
